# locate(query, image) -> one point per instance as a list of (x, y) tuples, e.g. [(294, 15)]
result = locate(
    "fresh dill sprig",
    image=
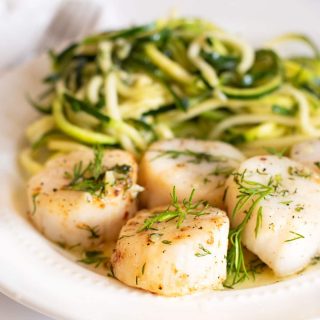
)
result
[(177, 210), (250, 192), (91, 178), (195, 157)]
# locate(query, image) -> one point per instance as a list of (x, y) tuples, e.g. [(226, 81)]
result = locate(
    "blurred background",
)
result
[(24, 23)]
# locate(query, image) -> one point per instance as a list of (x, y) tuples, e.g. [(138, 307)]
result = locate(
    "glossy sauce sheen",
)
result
[(265, 277)]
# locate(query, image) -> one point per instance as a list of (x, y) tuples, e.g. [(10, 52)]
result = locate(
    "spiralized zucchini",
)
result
[(175, 78)]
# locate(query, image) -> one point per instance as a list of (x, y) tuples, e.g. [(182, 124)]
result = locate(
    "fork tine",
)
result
[(92, 22), (54, 27), (72, 19)]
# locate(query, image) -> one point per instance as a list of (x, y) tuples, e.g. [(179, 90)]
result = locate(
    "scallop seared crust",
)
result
[(187, 164), (308, 153), (72, 208), (173, 261), (284, 227)]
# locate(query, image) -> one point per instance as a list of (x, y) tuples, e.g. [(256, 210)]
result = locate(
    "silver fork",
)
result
[(73, 20)]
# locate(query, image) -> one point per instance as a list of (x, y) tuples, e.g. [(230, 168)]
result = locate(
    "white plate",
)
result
[(33, 271)]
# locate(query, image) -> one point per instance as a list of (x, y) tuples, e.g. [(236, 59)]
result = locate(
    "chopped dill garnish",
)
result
[(286, 203), (262, 172), (315, 260), (34, 202), (154, 237), (317, 164), (143, 268), (225, 194), (203, 251), (126, 236), (95, 258), (222, 171), (299, 172), (177, 210), (299, 207), (93, 231), (255, 267), (297, 236), (111, 273), (258, 222), (166, 241), (275, 152), (195, 157)]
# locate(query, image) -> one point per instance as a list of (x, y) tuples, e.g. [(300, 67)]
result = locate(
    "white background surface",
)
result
[(23, 21), (11, 310)]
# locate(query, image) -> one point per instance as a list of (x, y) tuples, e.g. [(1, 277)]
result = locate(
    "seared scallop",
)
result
[(308, 153), (173, 260), (186, 164), (277, 202), (84, 198)]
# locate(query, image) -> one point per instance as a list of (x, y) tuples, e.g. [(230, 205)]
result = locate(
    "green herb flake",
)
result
[(222, 171), (286, 203), (95, 258), (315, 260), (111, 273), (283, 111), (258, 222), (256, 266), (166, 242), (143, 268), (317, 164), (34, 202), (203, 251), (126, 236), (93, 231), (299, 172), (275, 152), (194, 157), (296, 235), (225, 192), (299, 207), (154, 237)]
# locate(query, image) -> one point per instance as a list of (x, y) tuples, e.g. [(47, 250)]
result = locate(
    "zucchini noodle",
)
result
[(175, 77), (73, 131)]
